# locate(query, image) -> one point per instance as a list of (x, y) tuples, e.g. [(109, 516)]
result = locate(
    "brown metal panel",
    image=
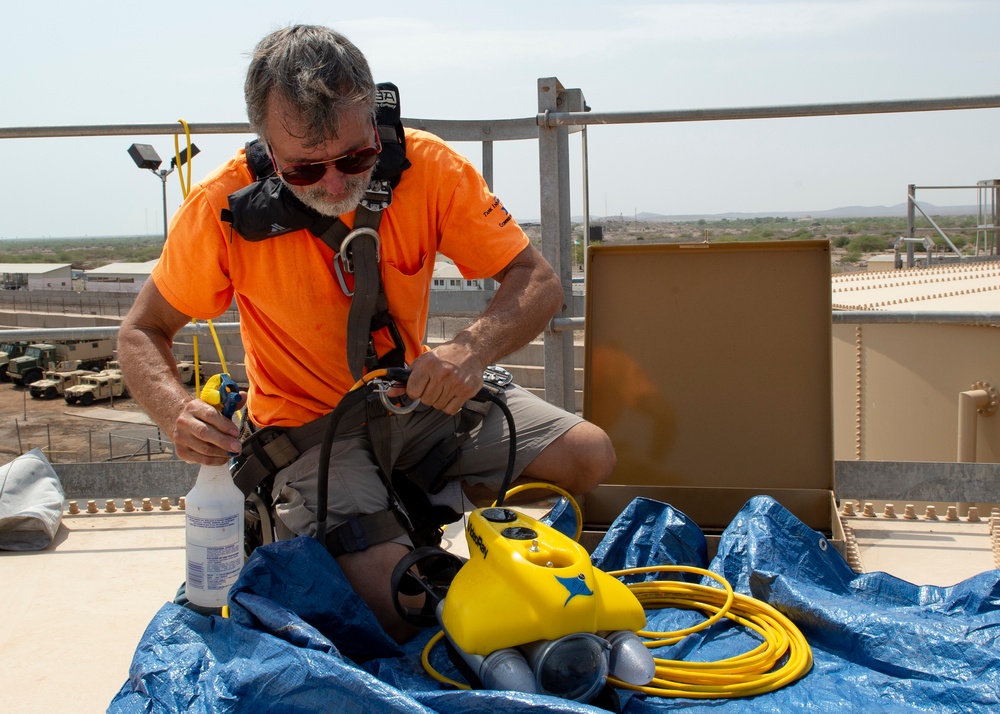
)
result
[(709, 365), (711, 508)]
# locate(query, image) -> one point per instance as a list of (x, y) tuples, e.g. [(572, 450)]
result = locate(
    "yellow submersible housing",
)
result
[(573, 626)]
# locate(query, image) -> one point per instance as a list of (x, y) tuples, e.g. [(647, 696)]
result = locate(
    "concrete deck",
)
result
[(74, 612)]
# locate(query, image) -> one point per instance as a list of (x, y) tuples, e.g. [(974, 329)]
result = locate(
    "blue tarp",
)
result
[(299, 640)]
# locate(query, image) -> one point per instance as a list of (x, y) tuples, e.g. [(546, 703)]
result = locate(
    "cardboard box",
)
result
[(709, 365)]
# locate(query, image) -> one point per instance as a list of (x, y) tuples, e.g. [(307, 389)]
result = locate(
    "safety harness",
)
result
[(266, 209)]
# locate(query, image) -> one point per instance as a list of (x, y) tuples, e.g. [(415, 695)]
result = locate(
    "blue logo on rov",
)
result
[(575, 586)]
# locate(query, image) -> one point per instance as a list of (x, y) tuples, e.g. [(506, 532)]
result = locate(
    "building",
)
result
[(35, 276), (120, 277), (447, 276)]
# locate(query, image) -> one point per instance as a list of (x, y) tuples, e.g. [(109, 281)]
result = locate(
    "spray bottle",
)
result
[(214, 515)]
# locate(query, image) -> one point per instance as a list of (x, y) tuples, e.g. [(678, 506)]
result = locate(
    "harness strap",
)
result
[(271, 448), (368, 293), (429, 473), (360, 532)]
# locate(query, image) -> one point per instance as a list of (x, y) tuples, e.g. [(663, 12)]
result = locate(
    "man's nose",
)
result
[(333, 180)]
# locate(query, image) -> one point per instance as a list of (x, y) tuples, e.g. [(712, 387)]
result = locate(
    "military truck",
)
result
[(8, 351), (61, 356), (96, 387), (54, 384), (185, 370)]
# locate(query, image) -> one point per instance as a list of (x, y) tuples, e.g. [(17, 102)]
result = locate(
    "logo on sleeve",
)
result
[(500, 207)]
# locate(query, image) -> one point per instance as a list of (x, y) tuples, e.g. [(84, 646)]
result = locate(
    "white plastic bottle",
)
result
[(214, 515)]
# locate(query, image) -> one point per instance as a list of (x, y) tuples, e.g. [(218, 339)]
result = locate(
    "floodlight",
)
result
[(184, 156), (145, 156)]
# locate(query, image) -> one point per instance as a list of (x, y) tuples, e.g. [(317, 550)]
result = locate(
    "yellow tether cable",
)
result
[(746, 675), (552, 487), (185, 186), (197, 364), (185, 190), (425, 659)]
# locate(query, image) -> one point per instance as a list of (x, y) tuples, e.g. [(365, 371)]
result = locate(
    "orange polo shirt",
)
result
[(293, 312)]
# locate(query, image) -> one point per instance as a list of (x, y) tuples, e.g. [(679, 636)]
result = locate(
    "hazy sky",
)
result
[(73, 63)]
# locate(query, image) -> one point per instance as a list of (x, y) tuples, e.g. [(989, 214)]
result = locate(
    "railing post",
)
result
[(911, 231), (553, 158), (488, 163)]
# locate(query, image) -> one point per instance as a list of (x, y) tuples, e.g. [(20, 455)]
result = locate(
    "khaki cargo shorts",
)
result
[(356, 489)]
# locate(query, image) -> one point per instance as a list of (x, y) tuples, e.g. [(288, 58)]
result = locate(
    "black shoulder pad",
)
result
[(258, 160), (267, 208), (392, 162)]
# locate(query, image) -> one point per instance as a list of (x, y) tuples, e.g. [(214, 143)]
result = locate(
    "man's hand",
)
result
[(529, 295), (446, 377), (202, 435)]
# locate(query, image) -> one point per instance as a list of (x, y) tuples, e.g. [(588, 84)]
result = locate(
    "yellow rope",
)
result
[(744, 675), (185, 186), (425, 658), (185, 190), (552, 487)]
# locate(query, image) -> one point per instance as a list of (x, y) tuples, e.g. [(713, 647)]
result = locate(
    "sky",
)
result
[(71, 63)]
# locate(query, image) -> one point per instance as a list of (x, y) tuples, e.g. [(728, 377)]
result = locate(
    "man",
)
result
[(310, 98)]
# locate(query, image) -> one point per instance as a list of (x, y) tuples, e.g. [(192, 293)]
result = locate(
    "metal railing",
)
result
[(560, 108), (560, 112), (987, 223)]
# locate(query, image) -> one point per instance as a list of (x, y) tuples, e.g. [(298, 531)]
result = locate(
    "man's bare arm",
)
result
[(529, 295), (199, 433)]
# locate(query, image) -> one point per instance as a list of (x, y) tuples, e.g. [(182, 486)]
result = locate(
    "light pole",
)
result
[(145, 157)]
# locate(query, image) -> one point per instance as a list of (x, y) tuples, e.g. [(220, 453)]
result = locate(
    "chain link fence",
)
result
[(141, 443)]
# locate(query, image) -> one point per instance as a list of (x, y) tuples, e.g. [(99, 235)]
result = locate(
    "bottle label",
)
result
[(212, 562)]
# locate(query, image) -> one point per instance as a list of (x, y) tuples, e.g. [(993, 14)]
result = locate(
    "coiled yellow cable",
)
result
[(758, 671), (755, 672)]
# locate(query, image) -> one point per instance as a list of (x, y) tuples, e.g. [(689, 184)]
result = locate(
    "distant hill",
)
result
[(897, 211)]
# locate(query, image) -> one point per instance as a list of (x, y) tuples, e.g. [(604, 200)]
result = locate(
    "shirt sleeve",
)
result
[(477, 232), (193, 271)]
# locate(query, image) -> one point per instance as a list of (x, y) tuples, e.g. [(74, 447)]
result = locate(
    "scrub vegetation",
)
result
[(852, 240), (81, 253)]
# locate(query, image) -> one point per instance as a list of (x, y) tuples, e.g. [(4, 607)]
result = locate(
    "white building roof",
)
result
[(33, 268), (125, 268), (444, 268)]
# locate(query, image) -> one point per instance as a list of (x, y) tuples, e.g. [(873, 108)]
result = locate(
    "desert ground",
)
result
[(106, 430)]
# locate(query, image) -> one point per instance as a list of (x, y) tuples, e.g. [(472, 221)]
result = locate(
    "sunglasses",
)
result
[(354, 162)]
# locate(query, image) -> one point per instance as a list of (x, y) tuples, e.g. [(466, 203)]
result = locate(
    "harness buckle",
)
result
[(378, 195), (345, 256)]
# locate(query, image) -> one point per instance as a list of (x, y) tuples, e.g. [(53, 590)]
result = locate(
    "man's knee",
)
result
[(370, 573), (579, 460), (596, 455)]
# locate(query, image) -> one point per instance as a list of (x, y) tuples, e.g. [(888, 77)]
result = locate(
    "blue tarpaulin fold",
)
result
[(299, 640)]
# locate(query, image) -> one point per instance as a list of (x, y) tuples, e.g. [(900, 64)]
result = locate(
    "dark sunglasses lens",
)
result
[(304, 174), (359, 161)]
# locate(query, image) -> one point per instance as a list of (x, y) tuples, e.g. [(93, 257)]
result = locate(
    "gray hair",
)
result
[(319, 72)]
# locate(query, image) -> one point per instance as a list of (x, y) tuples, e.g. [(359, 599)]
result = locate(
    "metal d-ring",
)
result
[(345, 258), (399, 411)]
